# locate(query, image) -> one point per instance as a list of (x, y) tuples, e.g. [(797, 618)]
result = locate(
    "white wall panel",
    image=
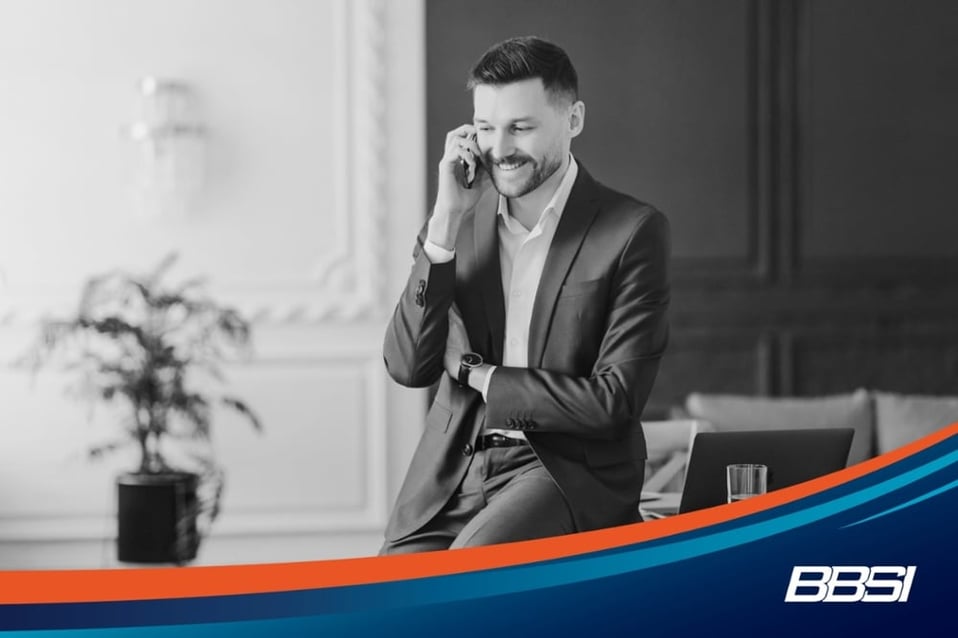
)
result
[(315, 113)]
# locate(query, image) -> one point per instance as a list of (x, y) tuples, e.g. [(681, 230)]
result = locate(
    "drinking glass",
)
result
[(745, 480)]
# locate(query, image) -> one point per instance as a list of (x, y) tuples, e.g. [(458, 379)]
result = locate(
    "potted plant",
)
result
[(148, 346)]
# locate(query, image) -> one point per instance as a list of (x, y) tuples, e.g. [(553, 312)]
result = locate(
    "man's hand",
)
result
[(457, 342), (453, 199)]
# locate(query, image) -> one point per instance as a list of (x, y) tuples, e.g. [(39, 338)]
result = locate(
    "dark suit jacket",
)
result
[(598, 331)]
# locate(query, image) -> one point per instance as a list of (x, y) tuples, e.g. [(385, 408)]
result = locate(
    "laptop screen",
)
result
[(792, 456)]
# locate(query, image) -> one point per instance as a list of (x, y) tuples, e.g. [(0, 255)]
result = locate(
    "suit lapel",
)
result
[(579, 212), (490, 272)]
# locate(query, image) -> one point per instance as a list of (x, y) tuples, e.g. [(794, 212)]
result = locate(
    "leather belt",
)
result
[(487, 441)]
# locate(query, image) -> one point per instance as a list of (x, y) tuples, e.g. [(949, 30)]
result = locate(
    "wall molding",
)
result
[(346, 283), (758, 266), (798, 73), (349, 280)]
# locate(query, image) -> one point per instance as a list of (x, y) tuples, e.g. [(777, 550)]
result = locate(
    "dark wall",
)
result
[(806, 154)]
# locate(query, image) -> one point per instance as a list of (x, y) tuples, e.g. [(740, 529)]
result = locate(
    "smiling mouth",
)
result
[(509, 166)]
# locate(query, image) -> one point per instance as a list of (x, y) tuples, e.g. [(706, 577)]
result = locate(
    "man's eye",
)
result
[(521, 129), (484, 129)]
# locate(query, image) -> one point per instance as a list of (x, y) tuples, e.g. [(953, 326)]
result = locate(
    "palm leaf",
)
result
[(154, 277), (195, 409), (97, 452), (242, 408)]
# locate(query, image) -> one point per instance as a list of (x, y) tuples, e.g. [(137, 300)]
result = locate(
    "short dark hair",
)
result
[(524, 58)]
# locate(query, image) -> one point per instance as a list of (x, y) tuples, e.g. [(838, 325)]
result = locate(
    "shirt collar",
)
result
[(555, 206)]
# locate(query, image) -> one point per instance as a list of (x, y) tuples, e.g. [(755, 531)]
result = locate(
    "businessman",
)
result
[(538, 300)]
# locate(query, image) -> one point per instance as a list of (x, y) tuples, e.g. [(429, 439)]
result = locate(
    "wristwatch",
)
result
[(467, 364)]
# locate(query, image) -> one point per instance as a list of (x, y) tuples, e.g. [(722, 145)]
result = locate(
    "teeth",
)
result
[(510, 167)]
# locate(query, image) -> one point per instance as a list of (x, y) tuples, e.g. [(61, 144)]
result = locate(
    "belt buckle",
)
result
[(496, 440), (487, 441)]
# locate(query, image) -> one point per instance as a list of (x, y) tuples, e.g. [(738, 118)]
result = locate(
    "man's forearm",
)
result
[(442, 233), (597, 407), (415, 339)]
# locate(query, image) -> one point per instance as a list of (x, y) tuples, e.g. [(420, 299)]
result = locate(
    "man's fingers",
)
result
[(464, 135), (471, 145), (456, 153), (464, 130), (462, 154), (470, 163)]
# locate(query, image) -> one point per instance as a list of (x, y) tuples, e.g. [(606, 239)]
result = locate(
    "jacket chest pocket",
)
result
[(574, 289)]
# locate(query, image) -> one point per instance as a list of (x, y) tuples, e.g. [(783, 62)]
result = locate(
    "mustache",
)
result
[(515, 158)]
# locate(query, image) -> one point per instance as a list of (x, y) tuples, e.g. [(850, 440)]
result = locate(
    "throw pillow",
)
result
[(903, 418)]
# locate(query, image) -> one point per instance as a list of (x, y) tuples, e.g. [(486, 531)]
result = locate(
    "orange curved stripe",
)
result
[(60, 586)]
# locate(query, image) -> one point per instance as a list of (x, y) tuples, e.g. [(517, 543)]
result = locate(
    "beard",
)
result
[(510, 187)]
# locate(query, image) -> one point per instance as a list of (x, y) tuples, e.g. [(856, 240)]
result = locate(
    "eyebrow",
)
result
[(527, 118)]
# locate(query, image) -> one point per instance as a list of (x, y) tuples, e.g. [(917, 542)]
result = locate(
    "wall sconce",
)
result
[(170, 142)]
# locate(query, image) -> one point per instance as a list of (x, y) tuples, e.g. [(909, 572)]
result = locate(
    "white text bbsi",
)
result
[(850, 584)]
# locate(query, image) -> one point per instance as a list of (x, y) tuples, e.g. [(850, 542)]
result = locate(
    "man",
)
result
[(538, 301)]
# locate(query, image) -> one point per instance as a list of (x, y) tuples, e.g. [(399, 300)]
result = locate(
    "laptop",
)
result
[(792, 456)]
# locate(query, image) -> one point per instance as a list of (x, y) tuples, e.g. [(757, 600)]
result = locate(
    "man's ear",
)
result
[(577, 118)]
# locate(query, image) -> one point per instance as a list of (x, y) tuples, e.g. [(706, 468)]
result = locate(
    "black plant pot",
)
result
[(156, 515)]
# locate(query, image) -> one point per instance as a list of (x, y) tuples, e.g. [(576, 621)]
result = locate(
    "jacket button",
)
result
[(421, 293), (467, 449)]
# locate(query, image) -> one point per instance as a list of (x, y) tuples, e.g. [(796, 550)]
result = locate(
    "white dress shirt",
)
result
[(522, 256)]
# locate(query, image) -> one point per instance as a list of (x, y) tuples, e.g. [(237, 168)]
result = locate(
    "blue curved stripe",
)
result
[(642, 557), (579, 587), (914, 501)]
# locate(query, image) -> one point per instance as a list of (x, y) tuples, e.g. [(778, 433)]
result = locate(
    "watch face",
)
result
[(471, 360)]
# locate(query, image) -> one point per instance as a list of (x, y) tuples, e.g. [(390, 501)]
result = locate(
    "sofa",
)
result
[(882, 421)]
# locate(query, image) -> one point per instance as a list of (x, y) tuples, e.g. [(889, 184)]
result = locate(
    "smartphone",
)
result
[(468, 181)]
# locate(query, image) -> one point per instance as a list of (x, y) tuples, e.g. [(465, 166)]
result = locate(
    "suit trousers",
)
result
[(506, 495)]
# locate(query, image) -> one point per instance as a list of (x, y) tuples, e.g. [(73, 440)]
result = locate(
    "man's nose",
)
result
[(501, 145)]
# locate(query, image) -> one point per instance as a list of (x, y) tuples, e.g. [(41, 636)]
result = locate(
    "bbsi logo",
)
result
[(850, 584)]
